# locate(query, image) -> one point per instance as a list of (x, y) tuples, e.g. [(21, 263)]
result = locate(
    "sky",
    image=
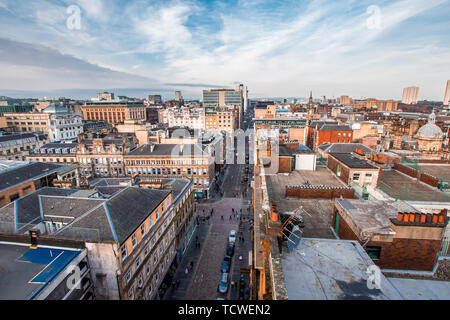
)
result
[(360, 48)]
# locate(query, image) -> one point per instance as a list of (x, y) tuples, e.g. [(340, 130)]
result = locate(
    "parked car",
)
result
[(230, 249), (226, 264), (223, 286), (232, 237)]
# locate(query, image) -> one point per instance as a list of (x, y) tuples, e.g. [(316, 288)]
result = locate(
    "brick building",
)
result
[(173, 161), (352, 169), (331, 133), (114, 112), (393, 233), (130, 248), (18, 179), (103, 156)]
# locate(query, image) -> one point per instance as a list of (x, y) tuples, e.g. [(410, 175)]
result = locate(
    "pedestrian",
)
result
[(230, 218), (192, 264), (186, 271), (173, 284), (243, 239), (232, 209)]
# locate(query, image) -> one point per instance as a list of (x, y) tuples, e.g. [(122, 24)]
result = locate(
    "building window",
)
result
[(373, 252), (128, 276), (143, 229), (356, 176), (134, 240)]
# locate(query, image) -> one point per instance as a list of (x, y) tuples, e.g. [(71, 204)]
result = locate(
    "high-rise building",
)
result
[(155, 99), (410, 95), (345, 100), (244, 92), (105, 96), (178, 96), (447, 94)]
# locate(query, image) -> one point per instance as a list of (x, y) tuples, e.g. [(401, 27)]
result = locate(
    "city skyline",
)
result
[(360, 49)]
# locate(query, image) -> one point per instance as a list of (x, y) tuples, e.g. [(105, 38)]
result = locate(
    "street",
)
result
[(203, 264)]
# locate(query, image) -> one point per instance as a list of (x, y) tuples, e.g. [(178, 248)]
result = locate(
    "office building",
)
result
[(114, 112), (447, 94), (155, 99), (410, 95)]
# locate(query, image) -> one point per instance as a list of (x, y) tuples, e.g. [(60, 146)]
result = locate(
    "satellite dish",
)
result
[(295, 238)]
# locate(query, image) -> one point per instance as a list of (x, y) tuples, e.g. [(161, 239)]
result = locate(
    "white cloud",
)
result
[(288, 50)]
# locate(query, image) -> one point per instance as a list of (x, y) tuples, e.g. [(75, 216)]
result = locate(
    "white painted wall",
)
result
[(305, 162), (104, 259)]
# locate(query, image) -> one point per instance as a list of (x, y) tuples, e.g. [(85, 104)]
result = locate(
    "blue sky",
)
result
[(278, 48)]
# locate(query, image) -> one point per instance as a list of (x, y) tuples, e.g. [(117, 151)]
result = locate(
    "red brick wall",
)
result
[(333, 137), (406, 170), (424, 177), (345, 172), (387, 159), (403, 254), (320, 193), (408, 254), (428, 179)]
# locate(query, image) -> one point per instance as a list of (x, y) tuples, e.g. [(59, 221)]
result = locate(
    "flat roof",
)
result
[(325, 269), (18, 175), (413, 289), (440, 171), (317, 213), (352, 161), (401, 186), (374, 215), (25, 271), (165, 150)]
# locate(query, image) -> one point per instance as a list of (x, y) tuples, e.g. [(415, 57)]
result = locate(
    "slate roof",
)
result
[(16, 137), (334, 127), (167, 150), (97, 220), (129, 208), (21, 174), (344, 147), (353, 162)]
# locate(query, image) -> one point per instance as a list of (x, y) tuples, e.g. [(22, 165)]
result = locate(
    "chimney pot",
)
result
[(441, 219), (429, 218), (412, 216), (435, 218), (400, 216), (423, 218), (405, 217), (417, 218)]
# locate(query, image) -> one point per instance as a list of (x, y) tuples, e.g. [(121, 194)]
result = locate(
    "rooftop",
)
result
[(324, 269), (352, 161), (401, 186), (18, 175), (317, 213), (413, 289), (26, 272), (165, 150), (374, 216), (334, 127), (343, 147), (440, 171)]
